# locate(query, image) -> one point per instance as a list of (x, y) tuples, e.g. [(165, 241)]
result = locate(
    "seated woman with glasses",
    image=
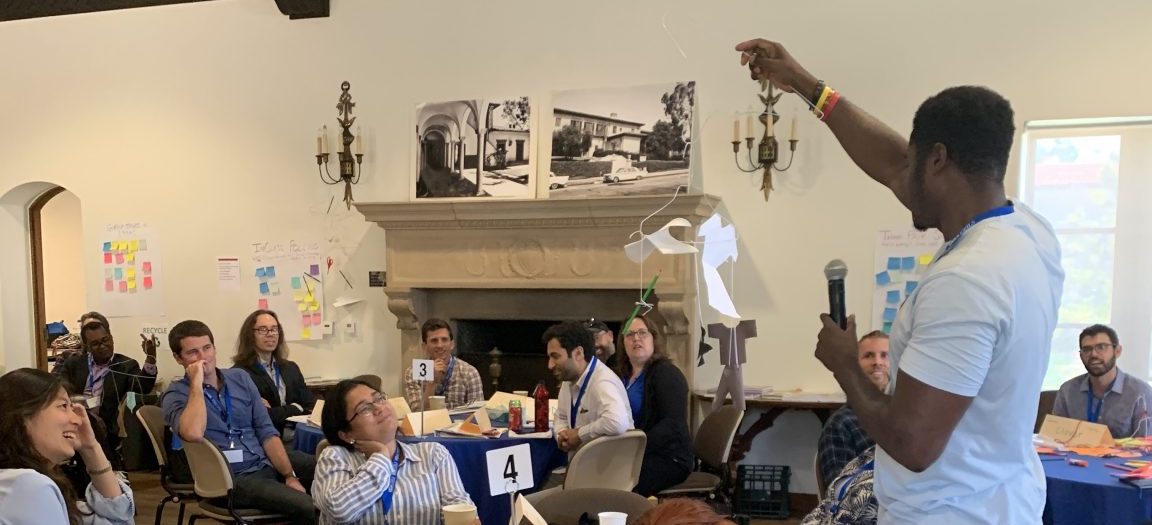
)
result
[(365, 476), (658, 396), (40, 429), (261, 351)]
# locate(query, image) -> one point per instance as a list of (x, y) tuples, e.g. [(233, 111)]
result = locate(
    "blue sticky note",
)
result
[(107, 246), (270, 271), (893, 297), (263, 288), (908, 263), (259, 272), (887, 330), (882, 279), (295, 283), (893, 263), (118, 274), (889, 315), (910, 287)]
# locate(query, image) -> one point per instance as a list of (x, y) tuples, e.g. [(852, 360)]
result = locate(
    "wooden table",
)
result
[(772, 408)]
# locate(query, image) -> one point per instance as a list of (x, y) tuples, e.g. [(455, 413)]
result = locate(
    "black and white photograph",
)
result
[(633, 140), (474, 148)]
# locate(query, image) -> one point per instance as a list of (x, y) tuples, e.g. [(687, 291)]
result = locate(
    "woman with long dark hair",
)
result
[(40, 429), (262, 352), (658, 396)]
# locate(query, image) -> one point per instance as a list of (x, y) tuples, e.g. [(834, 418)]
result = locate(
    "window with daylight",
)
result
[(1092, 179)]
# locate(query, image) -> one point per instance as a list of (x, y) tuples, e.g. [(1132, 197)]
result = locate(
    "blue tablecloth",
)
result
[(470, 456), (1091, 495)]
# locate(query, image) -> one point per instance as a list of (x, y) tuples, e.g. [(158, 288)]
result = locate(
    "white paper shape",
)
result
[(345, 301), (522, 509), (423, 369), (510, 469), (719, 246), (661, 240)]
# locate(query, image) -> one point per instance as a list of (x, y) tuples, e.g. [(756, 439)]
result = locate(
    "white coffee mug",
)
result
[(436, 402), (459, 514), (613, 518)]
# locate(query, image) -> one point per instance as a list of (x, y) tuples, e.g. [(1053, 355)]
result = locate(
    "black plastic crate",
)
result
[(762, 491)]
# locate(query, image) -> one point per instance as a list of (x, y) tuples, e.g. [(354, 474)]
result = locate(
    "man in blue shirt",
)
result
[(223, 406), (1117, 400)]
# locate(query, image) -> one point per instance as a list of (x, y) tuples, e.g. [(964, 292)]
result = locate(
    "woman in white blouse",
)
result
[(40, 428), (367, 477)]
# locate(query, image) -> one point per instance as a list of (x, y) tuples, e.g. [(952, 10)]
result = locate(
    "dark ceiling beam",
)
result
[(25, 9), (296, 9)]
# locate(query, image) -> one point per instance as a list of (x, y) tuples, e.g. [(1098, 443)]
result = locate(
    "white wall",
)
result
[(64, 279), (200, 118)]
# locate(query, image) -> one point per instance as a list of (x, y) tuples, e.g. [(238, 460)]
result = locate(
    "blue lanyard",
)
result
[(447, 377), (386, 497), (848, 482), (995, 212), (225, 411), (580, 394), (92, 378), (1094, 413), (275, 369)]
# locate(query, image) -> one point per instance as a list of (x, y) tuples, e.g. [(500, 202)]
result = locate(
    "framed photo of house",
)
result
[(633, 140), (476, 148)]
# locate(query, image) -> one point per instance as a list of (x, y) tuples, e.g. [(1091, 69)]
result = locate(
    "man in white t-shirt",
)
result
[(969, 347)]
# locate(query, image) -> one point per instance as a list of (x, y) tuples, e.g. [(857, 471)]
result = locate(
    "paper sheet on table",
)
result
[(399, 406), (314, 417), (500, 400), (299, 420), (719, 246), (522, 509), (421, 423), (531, 435), (661, 240), (467, 409), (1076, 433)]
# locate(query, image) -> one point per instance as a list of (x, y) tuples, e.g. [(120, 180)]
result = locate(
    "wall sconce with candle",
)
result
[(349, 163), (768, 150)]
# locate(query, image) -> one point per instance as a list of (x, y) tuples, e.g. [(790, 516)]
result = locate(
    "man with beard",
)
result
[(1105, 395), (104, 378), (605, 341), (452, 377), (842, 439), (971, 343)]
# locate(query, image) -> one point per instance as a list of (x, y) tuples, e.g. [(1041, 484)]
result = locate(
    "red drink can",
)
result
[(515, 415)]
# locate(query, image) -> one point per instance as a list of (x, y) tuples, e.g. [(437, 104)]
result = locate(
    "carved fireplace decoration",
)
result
[(533, 260)]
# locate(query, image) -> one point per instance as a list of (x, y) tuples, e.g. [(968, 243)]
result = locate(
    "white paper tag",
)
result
[(92, 402), (423, 369), (234, 455), (510, 469)]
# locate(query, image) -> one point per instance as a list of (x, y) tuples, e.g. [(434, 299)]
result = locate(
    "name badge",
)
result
[(234, 455), (92, 402)]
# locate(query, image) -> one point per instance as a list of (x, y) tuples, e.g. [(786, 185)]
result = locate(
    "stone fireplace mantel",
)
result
[(535, 260)]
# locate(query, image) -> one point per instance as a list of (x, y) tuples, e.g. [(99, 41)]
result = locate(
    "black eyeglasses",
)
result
[(267, 330), (378, 400), (1098, 347)]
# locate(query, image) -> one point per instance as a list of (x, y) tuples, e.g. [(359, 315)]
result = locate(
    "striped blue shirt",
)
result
[(348, 486)]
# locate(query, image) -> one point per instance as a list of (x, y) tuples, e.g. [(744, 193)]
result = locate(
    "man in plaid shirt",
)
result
[(456, 380), (842, 439)]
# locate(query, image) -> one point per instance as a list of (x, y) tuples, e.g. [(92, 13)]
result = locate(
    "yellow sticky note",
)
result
[(131, 284), (133, 246), (131, 273), (314, 306), (303, 306), (306, 333), (130, 257), (297, 296), (925, 259)]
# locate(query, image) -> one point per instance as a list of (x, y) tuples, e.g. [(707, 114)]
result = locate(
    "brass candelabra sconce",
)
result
[(768, 151), (349, 162)]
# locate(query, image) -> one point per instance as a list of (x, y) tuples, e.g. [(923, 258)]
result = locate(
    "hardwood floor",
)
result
[(148, 492)]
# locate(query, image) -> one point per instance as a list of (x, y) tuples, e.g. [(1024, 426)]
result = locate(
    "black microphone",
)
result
[(836, 271)]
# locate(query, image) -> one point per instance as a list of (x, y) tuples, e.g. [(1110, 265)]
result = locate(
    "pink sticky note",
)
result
[(316, 319), (109, 285), (148, 283), (108, 258), (119, 258), (263, 304), (147, 268), (306, 320), (123, 286)]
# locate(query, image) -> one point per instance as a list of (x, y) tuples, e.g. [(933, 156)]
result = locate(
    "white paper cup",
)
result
[(613, 518), (460, 514), (436, 402)]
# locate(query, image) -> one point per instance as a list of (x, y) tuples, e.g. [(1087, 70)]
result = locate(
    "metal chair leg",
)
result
[(180, 517)]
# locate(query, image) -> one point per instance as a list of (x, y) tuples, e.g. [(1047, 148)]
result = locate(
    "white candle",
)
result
[(319, 143), (793, 136), (360, 141), (751, 133), (325, 133), (736, 130), (768, 126)]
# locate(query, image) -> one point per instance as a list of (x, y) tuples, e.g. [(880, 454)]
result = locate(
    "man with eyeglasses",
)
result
[(105, 378), (605, 341), (1105, 394)]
